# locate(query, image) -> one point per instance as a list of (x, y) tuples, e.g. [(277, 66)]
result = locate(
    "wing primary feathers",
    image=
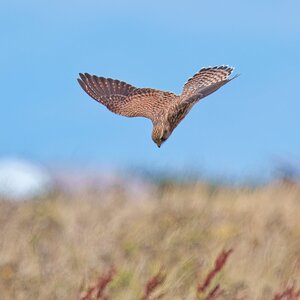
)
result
[(85, 86), (199, 84), (92, 84)]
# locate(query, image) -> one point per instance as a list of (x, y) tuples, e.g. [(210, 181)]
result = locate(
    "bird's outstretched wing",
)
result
[(205, 82), (125, 99)]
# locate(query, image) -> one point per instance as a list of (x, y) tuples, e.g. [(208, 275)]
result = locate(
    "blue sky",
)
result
[(241, 129)]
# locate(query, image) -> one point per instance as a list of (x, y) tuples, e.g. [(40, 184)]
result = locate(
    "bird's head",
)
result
[(160, 134)]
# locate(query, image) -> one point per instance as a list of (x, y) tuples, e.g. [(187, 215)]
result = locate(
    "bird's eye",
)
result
[(163, 139)]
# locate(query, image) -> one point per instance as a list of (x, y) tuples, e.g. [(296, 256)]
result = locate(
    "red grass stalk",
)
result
[(214, 293), (97, 292), (219, 264), (290, 293), (152, 284)]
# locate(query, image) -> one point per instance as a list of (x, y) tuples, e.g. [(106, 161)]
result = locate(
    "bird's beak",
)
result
[(158, 145)]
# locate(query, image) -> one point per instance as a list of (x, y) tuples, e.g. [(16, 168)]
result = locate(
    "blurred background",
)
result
[(242, 132), (216, 175)]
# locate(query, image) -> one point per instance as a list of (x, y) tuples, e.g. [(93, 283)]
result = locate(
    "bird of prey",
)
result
[(166, 110)]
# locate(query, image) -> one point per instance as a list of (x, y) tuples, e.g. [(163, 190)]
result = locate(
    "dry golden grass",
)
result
[(54, 248)]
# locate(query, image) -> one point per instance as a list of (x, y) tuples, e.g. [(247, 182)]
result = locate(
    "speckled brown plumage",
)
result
[(164, 109)]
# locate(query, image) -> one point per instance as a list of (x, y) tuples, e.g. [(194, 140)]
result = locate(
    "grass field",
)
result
[(56, 247)]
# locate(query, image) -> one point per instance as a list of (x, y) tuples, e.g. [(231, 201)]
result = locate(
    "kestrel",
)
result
[(166, 110)]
